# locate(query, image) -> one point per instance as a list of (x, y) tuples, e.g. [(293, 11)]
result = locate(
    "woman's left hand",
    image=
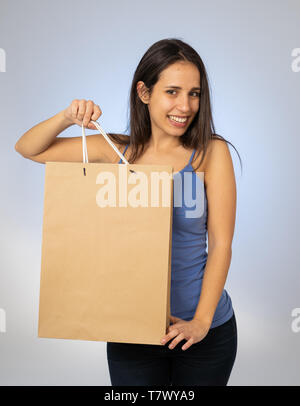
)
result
[(193, 331)]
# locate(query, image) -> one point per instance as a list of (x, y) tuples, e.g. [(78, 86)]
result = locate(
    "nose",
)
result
[(184, 104)]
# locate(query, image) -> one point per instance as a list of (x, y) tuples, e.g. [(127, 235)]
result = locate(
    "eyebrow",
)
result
[(178, 87)]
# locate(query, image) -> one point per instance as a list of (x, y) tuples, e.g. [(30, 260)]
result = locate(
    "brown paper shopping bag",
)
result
[(106, 251)]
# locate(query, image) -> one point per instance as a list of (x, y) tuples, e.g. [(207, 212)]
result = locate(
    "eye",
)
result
[(168, 91), (195, 94)]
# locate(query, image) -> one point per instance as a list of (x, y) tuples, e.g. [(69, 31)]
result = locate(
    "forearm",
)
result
[(215, 274), (42, 135)]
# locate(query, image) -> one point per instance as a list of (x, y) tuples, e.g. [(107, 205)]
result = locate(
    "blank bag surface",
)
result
[(105, 271)]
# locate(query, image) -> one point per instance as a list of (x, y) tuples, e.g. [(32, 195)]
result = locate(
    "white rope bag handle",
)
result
[(84, 148)]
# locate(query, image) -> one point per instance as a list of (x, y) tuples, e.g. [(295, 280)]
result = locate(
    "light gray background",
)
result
[(60, 50)]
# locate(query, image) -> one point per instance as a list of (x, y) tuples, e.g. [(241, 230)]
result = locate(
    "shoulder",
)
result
[(217, 152), (219, 175), (217, 157), (119, 140)]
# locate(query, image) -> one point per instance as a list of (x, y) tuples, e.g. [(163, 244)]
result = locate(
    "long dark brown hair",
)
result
[(158, 57)]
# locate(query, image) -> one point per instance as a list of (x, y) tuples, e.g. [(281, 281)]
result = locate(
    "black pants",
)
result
[(206, 363)]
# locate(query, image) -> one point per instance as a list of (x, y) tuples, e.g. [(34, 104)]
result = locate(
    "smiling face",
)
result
[(174, 100)]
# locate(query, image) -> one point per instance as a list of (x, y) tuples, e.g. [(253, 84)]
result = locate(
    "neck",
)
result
[(161, 143)]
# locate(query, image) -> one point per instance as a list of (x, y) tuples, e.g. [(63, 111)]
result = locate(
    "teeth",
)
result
[(179, 120)]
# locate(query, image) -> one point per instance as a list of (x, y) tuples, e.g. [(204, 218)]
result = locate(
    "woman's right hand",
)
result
[(83, 111)]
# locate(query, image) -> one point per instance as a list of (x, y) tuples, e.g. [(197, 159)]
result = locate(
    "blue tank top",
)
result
[(189, 254)]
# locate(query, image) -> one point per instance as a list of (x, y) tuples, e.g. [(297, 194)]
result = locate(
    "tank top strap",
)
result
[(123, 153), (192, 156)]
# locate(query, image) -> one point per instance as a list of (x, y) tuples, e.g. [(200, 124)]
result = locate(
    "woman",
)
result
[(170, 123)]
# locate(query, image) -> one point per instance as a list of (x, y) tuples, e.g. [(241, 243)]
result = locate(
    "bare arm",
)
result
[(42, 135), (221, 196), (41, 144)]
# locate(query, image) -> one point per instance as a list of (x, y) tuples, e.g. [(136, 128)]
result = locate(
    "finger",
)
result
[(169, 336), (75, 107), (88, 113), (97, 112), (176, 326), (188, 344), (176, 340), (81, 110)]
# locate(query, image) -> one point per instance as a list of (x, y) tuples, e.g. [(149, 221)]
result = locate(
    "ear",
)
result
[(143, 92)]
